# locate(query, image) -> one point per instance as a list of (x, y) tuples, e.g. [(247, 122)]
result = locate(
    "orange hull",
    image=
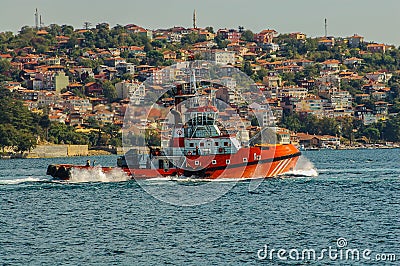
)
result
[(251, 162)]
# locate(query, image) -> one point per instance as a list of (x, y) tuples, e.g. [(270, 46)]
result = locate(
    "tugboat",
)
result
[(200, 147), (211, 153)]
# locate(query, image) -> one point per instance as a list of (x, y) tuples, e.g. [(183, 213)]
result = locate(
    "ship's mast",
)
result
[(193, 89)]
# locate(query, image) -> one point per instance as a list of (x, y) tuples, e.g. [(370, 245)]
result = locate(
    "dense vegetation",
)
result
[(21, 129), (347, 127)]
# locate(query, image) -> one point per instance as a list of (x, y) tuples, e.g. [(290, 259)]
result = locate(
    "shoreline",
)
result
[(25, 156), (369, 147), (105, 153)]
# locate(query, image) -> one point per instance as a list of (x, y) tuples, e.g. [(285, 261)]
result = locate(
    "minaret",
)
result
[(326, 28), (36, 19), (194, 19)]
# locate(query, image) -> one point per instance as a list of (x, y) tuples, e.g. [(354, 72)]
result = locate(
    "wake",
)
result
[(22, 180), (97, 175), (304, 168)]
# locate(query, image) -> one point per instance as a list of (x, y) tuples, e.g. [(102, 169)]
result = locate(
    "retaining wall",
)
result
[(51, 151)]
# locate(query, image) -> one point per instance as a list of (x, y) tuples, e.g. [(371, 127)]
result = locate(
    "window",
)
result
[(202, 144), (228, 161), (225, 143), (245, 160), (216, 143), (191, 144), (214, 162)]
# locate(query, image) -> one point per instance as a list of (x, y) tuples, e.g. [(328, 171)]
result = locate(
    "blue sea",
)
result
[(336, 205)]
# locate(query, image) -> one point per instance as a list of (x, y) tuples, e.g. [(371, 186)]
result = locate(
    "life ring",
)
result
[(189, 153), (220, 150)]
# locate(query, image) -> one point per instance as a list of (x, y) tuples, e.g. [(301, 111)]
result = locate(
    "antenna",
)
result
[(326, 28), (36, 19)]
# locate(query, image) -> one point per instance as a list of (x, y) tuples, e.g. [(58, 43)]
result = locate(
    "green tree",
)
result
[(291, 122), (155, 58), (67, 30), (391, 130), (5, 66), (25, 141), (372, 134), (60, 133), (113, 133), (190, 38), (7, 136), (109, 90), (210, 29), (247, 36), (246, 68)]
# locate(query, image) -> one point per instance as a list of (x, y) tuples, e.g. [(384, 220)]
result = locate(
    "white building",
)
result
[(133, 90), (221, 57), (228, 82), (293, 92), (341, 100)]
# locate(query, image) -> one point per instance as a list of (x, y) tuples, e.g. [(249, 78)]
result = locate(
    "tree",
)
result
[(25, 141), (87, 25), (190, 38), (155, 58), (372, 134), (247, 36), (60, 133), (291, 122), (391, 130), (44, 122), (147, 46), (113, 133), (221, 43), (246, 68), (210, 29), (158, 44), (5, 66), (67, 29), (109, 90), (7, 136), (262, 73)]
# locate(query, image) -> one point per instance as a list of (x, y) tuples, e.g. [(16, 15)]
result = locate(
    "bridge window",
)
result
[(216, 143), (225, 143), (191, 144)]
